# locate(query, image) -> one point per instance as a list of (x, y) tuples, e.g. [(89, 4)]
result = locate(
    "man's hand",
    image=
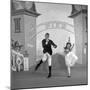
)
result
[(55, 46)]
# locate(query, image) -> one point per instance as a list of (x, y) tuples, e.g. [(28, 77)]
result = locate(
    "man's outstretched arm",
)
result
[(54, 45)]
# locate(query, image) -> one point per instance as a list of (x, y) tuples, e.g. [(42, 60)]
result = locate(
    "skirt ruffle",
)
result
[(70, 59)]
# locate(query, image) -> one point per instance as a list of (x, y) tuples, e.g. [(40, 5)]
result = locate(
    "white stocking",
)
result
[(69, 71)]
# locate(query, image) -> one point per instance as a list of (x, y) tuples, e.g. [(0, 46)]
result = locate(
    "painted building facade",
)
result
[(79, 15), (23, 26), (24, 30)]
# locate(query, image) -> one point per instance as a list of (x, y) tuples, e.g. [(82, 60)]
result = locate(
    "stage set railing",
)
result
[(19, 62)]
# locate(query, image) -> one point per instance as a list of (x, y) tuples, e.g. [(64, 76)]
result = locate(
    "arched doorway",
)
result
[(59, 33)]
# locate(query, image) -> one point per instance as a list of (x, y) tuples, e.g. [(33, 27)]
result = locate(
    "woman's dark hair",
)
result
[(67, 45)]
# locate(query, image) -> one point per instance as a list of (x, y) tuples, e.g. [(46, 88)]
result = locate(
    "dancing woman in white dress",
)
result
[(70, 57)]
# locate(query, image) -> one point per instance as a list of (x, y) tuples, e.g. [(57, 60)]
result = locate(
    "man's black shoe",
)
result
[(49, 75), (38, 65)]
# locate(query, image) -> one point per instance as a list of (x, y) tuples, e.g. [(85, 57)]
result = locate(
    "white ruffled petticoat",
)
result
[(70, 59)]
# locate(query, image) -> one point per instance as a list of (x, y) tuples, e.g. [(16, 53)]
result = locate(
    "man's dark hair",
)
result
[(47, 34)]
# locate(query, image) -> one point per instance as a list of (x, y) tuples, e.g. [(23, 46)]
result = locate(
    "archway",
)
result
[(59, 33)]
